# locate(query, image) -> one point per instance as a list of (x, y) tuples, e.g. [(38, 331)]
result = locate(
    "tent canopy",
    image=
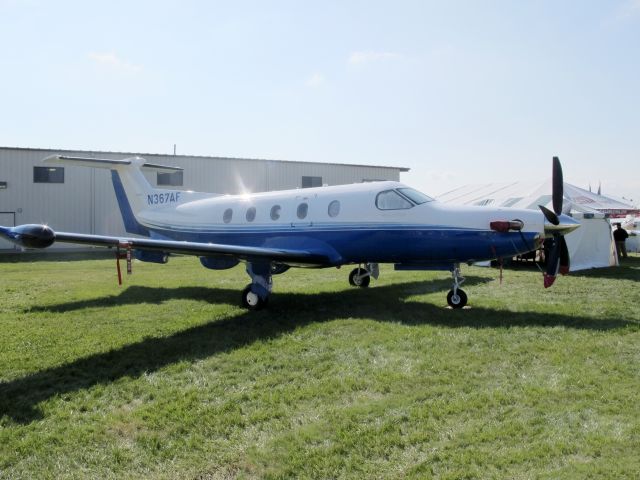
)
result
[(529, 195)]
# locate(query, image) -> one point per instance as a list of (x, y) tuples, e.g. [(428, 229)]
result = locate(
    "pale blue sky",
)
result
[(459, 91)]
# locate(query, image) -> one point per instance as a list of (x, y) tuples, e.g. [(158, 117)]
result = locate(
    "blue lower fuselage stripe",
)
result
[(382, 244)]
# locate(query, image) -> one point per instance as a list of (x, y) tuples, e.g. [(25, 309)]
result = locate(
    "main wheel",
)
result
[(458, 300), (359, 278), (252, 300)]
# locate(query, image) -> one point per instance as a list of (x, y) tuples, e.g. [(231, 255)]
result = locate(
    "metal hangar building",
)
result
[(80, 199)]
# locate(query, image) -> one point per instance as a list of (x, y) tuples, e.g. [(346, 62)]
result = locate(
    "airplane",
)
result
[(359, 224)]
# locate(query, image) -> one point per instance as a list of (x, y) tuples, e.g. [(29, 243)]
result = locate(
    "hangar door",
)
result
[(7, 219)]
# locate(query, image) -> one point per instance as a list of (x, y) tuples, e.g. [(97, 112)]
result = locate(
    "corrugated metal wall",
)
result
[(85, 202)]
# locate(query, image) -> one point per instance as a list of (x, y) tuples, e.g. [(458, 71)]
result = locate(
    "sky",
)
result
[(460, 92)]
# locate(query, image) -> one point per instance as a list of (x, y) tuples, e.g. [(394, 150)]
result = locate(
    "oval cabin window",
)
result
[(303, 208), (228, 214), (251, 214), (334, 208), (275, 212)]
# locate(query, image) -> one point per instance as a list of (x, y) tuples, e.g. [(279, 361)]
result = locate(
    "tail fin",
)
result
[(133, 192)]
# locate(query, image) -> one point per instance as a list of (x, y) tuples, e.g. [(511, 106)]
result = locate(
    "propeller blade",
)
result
[(557, 182), (558, 261), (553, 263), (564, 256), (549, 215)]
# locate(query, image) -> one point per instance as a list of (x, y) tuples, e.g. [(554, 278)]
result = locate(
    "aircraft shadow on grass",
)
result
[(135, 295), (19, 398)]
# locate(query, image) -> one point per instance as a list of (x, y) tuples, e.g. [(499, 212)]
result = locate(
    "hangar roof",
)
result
[(401, 169)]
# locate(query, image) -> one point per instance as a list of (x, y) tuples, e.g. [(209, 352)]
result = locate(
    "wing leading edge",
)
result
[(41, 236)]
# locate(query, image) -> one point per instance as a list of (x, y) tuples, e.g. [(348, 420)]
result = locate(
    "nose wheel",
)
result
[(457, 298)]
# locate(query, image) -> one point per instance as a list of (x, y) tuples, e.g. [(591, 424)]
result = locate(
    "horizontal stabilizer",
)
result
[(108, 163)]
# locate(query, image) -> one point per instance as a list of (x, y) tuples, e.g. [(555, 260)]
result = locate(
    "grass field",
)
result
[(166, 377)]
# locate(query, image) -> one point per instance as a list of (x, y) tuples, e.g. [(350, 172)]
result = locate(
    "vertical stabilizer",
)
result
[(133, 192)]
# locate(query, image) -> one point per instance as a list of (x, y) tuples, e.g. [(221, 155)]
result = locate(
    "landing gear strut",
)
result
[(255, 296), (457, 298)]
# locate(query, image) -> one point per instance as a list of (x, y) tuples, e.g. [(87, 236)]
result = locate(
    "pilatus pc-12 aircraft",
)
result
[(361, 224)]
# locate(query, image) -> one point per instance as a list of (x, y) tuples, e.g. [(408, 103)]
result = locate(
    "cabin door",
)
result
[(303, 211)]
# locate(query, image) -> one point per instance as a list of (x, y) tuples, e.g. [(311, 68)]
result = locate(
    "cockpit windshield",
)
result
[(415, 196)]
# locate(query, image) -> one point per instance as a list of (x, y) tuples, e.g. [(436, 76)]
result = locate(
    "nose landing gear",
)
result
[(457, 298)]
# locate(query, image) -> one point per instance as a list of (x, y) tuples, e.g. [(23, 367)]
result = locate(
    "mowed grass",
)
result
[(167, 377)]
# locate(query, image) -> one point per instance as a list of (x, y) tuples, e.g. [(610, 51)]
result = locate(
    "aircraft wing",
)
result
[(40, 236)]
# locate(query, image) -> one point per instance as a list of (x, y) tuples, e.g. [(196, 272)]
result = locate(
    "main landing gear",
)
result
[(255, 296), (457, 298), (361, 277)]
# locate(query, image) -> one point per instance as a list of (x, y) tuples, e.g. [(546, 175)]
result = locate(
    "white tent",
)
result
[(632, 225), (590, 246), (633, 242), (531, 194)]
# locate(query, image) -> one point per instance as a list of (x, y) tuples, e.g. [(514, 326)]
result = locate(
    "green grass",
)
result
[(166, 377)]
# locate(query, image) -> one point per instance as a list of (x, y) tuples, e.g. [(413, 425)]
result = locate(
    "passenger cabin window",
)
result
[(303, 208), (308, 182), (275, 212), (228, 214), (251, 214), (48, 174), (173, 179), (334, 209), (392, 200)]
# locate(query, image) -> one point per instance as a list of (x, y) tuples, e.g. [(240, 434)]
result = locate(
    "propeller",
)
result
[(558, 261)]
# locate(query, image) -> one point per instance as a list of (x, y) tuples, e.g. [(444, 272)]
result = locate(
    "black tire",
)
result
[(457, 301), (251, 301), (359, 278)]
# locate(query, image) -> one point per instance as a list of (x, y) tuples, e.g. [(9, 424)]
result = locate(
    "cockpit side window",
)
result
[(415, 196), (392, 200)]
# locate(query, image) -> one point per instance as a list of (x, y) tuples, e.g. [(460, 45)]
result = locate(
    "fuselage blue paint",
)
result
[(382, 245)]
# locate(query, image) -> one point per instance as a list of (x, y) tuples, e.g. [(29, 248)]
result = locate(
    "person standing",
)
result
[(620, 235)]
